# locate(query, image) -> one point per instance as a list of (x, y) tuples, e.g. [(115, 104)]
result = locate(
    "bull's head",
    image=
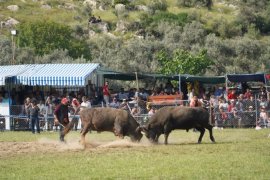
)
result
[(137, 135), (150, 134)]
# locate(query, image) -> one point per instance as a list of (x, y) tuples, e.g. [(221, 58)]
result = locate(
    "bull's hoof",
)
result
[(63, 141), (199, 142)]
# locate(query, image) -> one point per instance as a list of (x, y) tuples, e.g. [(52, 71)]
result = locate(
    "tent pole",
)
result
[(179, 76), (265, 85), (226, 86), (137, 82)]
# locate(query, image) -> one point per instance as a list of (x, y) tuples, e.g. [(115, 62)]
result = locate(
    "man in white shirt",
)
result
[(85, 103)]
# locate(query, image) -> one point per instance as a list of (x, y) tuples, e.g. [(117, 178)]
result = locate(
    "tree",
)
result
[(5, 50), (45, 37), (183, 62)]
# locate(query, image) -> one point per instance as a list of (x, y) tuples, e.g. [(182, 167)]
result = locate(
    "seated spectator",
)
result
[(250, 117), (221, 118), (232, 94), (219, 92), (263, 102), (98, 20), (232, 112), (162, 93), (223, 105), (263, 118), (114, 103), (135, 110), (151, 110), (85, 103), (122, 95), (249, 102), (169, 89), (131, 93), (263, 93), (247, 94), (124, 105), (195, 102), (143, 94), (191, 94), (92, 19), (205, 101)]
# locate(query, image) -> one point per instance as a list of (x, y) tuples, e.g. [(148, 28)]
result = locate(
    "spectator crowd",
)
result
[(227, 107)]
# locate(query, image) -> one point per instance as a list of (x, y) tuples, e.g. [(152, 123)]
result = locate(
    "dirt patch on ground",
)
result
[(44, 145)]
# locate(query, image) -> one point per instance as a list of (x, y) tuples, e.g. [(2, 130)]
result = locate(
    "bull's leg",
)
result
[(84, 131), (166, 135), (209, 127), (156, 138), (167, 131), (118, 131), (202, 130)]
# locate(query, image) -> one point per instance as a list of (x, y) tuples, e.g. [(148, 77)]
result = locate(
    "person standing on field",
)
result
[(106, 93), (61, 118), (33, 113)]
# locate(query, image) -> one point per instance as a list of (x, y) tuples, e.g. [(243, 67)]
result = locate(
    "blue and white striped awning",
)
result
[(11, 71), (57, 74)]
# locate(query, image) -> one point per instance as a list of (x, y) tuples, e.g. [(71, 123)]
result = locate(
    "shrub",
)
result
[(125, 2), (158, 5)]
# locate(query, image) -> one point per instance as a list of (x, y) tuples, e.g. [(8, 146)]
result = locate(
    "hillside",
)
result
[(132, 33), (76, 13)]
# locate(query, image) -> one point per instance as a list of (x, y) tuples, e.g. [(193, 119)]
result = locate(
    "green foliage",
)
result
[(179, 19), (183, 62), (224, 29), (44, 37), (193, 3), (150, 23), (125, 2), (56, 56), (5, 50), (158, 5)]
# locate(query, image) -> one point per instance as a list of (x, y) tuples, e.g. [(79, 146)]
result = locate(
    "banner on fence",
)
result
[(4, 112)]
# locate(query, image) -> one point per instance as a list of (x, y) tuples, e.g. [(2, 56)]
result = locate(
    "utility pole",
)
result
[(13, 45)]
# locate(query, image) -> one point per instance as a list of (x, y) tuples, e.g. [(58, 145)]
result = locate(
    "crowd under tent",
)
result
[(46, 76)]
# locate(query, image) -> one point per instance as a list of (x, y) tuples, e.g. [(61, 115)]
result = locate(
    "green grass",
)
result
[(238, 154)]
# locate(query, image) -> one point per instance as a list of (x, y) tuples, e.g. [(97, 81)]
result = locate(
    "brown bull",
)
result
[(167, 119), (118, 121)]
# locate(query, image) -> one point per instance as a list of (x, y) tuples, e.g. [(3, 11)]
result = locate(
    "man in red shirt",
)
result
[(232, 95), (247, 94), (106, 93)]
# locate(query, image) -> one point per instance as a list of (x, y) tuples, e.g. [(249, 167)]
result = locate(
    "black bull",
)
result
[(167, 119), (118, 121)]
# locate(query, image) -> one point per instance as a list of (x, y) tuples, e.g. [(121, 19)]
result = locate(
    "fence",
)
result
[(238, 114)]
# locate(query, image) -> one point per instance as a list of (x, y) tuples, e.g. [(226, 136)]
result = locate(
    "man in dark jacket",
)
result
[(61, 117), (33, 113)]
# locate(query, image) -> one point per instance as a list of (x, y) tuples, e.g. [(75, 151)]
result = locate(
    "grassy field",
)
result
[(238, 154)]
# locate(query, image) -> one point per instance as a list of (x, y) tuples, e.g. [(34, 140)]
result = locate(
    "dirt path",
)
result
[(46, 145)]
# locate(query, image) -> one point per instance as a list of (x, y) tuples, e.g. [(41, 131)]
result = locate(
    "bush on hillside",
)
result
[(158, 5), (193, 3), (125, 2)]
